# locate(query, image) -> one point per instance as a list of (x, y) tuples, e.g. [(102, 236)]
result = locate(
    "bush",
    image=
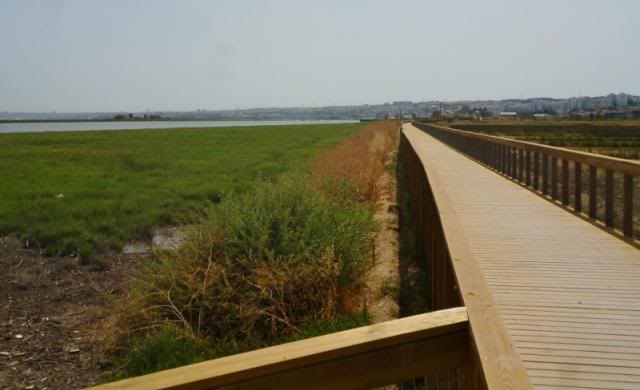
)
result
[(167, 348), (258, 266)]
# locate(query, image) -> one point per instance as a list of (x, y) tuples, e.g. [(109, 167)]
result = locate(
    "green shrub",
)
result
[(258, 266), (161, 350), (337, 324)]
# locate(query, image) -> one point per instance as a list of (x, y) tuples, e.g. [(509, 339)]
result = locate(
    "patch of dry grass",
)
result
[(359, 161)]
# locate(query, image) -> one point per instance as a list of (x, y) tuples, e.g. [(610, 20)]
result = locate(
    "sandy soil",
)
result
[(383, 281)]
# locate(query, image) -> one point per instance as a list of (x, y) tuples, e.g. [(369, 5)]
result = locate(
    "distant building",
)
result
[(508, 115), (541, 116), (622, 100)]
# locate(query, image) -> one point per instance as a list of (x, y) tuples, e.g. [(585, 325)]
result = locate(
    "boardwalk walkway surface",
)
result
[(567, 292)]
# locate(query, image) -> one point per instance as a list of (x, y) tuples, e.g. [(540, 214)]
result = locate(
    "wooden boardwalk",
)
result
[(567, 292)]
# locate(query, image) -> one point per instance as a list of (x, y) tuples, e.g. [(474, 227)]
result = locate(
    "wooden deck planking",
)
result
[(567, 292)]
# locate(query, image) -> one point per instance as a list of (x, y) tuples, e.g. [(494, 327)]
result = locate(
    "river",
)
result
[(30, 127)]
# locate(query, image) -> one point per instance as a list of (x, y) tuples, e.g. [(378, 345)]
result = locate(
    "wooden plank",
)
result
[(375, 341), (566, 374), (582, 383)]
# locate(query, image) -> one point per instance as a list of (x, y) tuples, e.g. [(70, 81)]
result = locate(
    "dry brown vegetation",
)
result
[(359, 161)]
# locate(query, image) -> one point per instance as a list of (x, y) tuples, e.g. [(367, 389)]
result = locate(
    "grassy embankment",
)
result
[(612, 138), (82, 191), (285, 261)]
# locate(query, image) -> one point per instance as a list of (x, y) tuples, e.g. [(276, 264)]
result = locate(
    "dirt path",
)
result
[(383, 282), (49, 312)]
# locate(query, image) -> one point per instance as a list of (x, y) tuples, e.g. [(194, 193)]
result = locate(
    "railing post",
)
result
[(593, 192), (608, 200), (565, 181), (627, 222), (577, 168)]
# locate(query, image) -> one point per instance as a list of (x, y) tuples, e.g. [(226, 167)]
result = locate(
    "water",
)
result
[(164, 238), (88, 126)]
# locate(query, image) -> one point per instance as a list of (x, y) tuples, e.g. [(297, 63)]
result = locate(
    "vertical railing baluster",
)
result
[(627, 219), (577, 204), (527, 168), (545, 174), (554, 178), (593, 192), (608, 199), (520, 165), (504, 159), (565, 181), (536, 170), (514, 163), (507, 156)]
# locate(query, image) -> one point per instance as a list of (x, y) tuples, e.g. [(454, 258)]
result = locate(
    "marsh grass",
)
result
[(71, 192)]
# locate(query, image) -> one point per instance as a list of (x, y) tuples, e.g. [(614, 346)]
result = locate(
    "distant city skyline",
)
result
[(91, 55), (611, 106)]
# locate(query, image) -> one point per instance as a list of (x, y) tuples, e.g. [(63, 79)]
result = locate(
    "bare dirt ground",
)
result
[(383, 281), (50, 310)]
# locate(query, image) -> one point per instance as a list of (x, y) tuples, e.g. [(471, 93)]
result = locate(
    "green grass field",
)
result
[(84, 191)]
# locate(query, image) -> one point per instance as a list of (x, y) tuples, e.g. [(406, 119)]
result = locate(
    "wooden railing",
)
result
[(433, 347), (558, 174)]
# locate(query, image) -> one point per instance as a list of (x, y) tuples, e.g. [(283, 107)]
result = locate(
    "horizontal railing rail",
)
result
[(600, 188), (432, 346)]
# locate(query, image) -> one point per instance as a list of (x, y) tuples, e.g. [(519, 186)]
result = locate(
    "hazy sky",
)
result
[(94, 55)]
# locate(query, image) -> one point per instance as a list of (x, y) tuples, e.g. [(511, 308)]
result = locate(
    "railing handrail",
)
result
[(354, 358), (629, 167)]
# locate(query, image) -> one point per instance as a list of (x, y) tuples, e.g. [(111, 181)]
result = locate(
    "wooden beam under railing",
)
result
[(366, 357)]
